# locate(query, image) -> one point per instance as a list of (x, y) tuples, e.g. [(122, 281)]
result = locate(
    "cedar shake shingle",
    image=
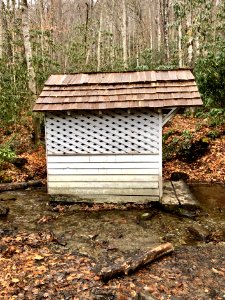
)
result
[(156, 89)]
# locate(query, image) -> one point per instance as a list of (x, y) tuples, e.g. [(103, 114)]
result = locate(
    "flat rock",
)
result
[(184, 194), (169, 198), (199, 232), (148, 215), (177, 194)]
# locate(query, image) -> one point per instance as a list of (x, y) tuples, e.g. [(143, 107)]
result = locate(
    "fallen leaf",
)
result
[(217, 272), (38, 257)]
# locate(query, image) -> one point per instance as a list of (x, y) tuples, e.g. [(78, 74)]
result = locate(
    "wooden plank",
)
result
[(169, 115), (110, 94), (101, 191), (64, 106), (105, 185), (104, 165), (105, 87), (105, 178), (118, 171), (104, 158)]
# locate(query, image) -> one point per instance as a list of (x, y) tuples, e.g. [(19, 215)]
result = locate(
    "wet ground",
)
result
[(210, 196), (95, 230), (92, 233)]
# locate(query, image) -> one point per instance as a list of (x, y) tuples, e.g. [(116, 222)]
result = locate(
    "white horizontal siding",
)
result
[(117, 171), (103, 165), (104, 175), (104, 178), (104, 184), (104, 158), (101, 191)]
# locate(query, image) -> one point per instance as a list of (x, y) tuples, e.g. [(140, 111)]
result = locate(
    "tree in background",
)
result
[(107, 35)]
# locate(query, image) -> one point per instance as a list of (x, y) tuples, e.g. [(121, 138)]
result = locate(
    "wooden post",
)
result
[(160, 154)]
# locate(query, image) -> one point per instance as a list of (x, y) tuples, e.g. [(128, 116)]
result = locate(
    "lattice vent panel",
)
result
[(112, 132)]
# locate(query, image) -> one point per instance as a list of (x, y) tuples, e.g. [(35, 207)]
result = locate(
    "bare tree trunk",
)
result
[(151, 27), (13, 25), (41, 10), (89, 12), (180, 54), (215, 4), (112, 31), (99, 42), (159, 27), (129, 50), (190, 37), (86, 26), (124, 34), (28, 50), (1, 30), (165, 17), (30, 69), (57, 28), (88, 45), (197, 45), (6, 31)]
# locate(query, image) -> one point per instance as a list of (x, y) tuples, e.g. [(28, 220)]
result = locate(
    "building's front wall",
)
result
[(105, 155)]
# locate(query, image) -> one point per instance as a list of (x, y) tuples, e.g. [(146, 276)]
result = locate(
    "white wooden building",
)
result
[(104, 132)]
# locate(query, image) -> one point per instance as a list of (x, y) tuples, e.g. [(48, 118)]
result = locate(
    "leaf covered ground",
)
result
[(207, 166), (32, 267)]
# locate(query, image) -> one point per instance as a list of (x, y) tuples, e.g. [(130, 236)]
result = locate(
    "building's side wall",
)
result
[(131, 177), (105, 157)]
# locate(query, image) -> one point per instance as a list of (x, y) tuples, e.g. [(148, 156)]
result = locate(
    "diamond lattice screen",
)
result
[(116, 131)]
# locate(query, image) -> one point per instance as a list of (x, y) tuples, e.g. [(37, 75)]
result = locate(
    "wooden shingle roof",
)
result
[(119, 90)]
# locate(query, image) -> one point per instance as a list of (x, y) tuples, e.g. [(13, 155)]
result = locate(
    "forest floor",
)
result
[(194, 148), (30, 269), (37, 263)]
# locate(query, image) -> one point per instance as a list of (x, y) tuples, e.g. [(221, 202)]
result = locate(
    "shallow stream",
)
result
[(103, 230)]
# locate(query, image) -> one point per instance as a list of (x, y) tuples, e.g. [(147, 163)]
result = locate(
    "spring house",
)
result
[(104, 132)]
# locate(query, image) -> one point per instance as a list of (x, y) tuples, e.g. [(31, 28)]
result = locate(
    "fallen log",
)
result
[(131, 264), (19, 185)]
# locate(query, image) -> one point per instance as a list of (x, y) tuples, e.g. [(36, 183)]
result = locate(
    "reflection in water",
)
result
[(209, 195)]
